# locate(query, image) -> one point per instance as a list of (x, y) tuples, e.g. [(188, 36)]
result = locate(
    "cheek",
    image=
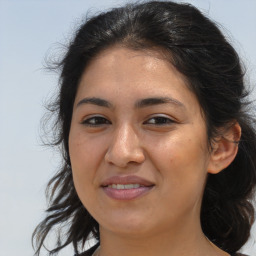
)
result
[(181, 163), (85, 152), (176, 151), (84, 161)]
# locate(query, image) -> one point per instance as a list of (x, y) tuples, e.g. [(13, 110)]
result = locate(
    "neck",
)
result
[(183, 240)]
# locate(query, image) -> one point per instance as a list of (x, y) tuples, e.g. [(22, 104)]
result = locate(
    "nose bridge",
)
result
[(126, 136), (125, 146)]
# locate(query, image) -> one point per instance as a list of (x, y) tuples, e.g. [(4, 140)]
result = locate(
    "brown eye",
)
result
[(159, 120), (96, 121)]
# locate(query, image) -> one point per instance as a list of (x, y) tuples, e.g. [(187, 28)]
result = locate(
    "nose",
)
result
[(125, 148)]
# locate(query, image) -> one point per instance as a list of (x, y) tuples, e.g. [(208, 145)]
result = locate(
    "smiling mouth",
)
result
[(124, 186), (124, 192)]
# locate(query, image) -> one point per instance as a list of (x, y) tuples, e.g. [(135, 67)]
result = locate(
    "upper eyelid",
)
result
[(169, 120), (91, 116), (86, 118), (160, 115)]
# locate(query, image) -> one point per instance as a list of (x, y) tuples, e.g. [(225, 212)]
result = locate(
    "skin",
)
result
[(165, 143)]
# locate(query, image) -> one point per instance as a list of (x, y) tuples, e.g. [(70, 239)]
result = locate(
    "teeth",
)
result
[(126, 186)]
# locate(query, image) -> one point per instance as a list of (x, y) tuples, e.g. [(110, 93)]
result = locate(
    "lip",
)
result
[(126, 194), (124, 180)]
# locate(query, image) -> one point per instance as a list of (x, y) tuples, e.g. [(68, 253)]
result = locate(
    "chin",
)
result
[(128, 226)]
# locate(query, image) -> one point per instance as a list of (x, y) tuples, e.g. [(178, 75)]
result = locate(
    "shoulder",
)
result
[(91, 251), (238, 254)]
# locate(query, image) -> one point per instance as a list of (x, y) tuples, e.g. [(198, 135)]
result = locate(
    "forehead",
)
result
[(146, 59), (119, 71), (118, 62)]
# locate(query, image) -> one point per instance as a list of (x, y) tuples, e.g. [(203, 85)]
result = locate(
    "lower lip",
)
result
[(126, 194)]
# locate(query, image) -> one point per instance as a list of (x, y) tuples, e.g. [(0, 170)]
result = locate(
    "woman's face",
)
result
[(138, 144)]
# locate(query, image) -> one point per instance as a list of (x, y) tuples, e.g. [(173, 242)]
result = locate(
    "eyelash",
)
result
[(159, 120), (97, 121)]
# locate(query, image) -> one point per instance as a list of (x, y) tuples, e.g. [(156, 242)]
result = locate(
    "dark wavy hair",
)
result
[(211, 66)]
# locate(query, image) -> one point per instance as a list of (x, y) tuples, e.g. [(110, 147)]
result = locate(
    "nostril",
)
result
[(123, 156), (124, 147)]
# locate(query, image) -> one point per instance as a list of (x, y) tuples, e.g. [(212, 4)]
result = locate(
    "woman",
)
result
[(159, 150)]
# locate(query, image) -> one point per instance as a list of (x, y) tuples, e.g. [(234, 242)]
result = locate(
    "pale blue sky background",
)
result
[(28, 30)]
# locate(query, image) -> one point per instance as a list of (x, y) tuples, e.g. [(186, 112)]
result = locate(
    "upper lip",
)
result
[(131, 179)]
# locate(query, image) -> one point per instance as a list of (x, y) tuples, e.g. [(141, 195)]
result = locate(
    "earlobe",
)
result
[(224, 149)]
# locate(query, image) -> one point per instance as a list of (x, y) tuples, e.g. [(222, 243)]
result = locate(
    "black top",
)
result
[(94, 248), (91, 252)]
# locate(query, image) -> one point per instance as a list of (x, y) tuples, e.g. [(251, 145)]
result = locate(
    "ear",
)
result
[(224, 149)]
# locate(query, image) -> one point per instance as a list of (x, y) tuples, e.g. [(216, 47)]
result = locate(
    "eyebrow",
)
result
[(139, 104), (95, 101), (156, 101)]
